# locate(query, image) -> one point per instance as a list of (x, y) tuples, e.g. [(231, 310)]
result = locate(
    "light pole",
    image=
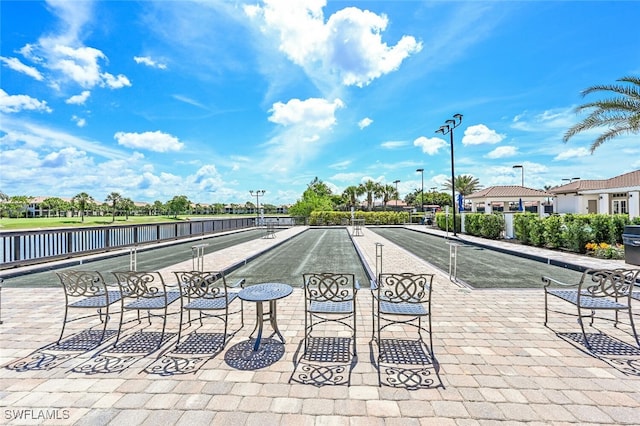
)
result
[(448, 127), (397, 181), (257, 193), (421, 190), (571, 179), (521, 167)]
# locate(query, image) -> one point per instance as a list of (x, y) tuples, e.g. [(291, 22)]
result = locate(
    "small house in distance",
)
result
[(617, 195), (508, 198)]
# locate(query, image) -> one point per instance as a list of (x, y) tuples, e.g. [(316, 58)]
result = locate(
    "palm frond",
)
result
[(619, 115)]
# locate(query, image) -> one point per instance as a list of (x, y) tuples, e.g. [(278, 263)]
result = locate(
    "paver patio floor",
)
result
[(496, 362)]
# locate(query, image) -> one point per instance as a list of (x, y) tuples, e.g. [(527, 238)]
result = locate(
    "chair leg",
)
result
[(120, 325), (64, 324), (164, 326), (180, 326), (226, 322), (633, 327), (584, 334), (431, 341), (104, 325), (355, 333), (306, 330)]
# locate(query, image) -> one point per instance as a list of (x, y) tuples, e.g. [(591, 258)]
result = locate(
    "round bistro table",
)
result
[(265, 292)]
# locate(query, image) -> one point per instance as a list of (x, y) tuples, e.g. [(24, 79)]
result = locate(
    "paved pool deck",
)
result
[(496, 363)]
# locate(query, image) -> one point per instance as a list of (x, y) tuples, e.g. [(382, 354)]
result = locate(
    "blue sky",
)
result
[(212, 99)]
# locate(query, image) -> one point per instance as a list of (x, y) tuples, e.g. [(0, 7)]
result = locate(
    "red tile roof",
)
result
[(508, 191), (626, 180)]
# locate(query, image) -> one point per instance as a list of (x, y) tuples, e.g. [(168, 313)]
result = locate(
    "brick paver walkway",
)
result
[(496, 363)]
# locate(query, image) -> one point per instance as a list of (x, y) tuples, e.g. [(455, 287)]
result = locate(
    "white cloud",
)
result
[(17, 103), (145, 60), (348, 46), (189, 101), (80, 122), (502, 152), (207, 178), (24, 133), (113, 82), (64, 54), (153, 141), (393, 144), (429, 146), (16, 65), (481, 134), (572, 153), (553, 119), (365, 122), (341, 165), (313, 112), (79, 99)]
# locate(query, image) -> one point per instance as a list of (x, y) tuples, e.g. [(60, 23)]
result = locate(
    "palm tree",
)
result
[(464, 185), (127, 205), (620, 114), (372, 189), (388, 192), (82, 200), (113, 198), (350, 194)]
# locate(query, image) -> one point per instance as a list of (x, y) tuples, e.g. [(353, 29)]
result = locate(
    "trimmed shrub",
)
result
[(553, 231), (522, 226), (492, 226), (441, 221), (473, 223), (536, 232), (577, 234), (601, 225)]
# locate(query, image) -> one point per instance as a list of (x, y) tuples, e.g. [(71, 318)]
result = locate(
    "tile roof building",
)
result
[(617, 195)]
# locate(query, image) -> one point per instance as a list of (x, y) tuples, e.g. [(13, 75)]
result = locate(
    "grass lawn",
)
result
[(8, 224)]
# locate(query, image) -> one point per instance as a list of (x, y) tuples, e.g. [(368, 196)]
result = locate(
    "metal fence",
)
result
[(19, 248)]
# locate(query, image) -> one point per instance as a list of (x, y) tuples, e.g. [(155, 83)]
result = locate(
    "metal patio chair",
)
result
[(208, 294), (145, 291), (86, 290), (402, 299), (330, 297), (597, 290)]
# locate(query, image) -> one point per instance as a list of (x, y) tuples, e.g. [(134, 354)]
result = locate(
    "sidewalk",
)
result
[(497, 363)]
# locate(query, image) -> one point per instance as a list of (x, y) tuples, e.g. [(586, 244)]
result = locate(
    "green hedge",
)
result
[(484, 225), (441, 221), (570, 231), (324, 218)]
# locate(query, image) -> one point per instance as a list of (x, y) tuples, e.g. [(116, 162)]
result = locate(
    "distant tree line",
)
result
[(319, 197), (83, 204)]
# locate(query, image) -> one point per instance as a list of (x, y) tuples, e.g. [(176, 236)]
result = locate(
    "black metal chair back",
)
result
[(86, 290), (330, 297)]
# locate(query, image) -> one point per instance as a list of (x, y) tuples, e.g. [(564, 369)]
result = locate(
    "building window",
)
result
[(620, 207)]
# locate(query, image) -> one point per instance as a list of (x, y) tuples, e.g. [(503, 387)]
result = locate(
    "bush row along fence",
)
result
[(569, 231), (324, 218), (19, 248)]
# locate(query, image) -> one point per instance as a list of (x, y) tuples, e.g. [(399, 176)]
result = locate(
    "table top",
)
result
[(265, 291)]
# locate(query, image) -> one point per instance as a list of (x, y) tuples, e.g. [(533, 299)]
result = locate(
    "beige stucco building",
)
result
[(617, 195)]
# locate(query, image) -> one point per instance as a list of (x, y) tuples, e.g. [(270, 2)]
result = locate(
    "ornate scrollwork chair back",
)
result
[(597, 290), (616, 283), (207, 293), (403, 298), (330, 297), (145, 291), (86, 290)]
